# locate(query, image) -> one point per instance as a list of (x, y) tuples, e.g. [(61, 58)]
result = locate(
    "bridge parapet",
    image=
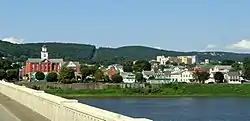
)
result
[(57, 108)]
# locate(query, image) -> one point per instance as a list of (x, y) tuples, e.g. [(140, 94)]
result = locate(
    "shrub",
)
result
[(40, 75), (117, 78), (52, 77)]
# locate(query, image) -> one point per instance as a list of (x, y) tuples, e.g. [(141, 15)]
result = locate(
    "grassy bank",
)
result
[(169, 90)]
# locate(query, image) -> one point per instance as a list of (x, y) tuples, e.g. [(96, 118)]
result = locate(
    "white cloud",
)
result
[(12, 40), (159, 48), (241, 45), (210, 46)]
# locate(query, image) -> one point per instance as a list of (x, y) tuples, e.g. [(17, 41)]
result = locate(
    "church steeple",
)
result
[(44, 53)]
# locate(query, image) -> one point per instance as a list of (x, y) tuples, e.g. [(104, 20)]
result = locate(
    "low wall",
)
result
[(96, 86), (59, 109)]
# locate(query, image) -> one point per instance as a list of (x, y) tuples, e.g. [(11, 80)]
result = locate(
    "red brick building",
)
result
[(45, 64)]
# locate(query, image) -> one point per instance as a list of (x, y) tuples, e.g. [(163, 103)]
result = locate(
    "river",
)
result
[(177, 109)]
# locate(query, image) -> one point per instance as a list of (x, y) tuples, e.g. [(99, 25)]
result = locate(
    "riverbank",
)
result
[(169, 90)]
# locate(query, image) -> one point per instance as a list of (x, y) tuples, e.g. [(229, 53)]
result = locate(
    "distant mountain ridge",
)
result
[(72, 51)]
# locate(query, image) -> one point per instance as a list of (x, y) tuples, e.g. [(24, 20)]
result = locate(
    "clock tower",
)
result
[(44, 53)]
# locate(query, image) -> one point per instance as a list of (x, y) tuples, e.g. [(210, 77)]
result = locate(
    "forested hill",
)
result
[(141, 52), (68, 51), (71, 51)]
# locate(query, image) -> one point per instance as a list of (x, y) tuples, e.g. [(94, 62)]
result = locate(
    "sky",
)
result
[(182, 25)]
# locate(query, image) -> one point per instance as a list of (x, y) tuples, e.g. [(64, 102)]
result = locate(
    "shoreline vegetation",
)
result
[(164, 91)]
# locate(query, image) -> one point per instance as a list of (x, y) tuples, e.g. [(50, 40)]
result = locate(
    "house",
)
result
[(163, 75), (112, 70), (186, 76), (159, 77), (233, 78), (175, 76), (148, 74), (128, 77), (176, 70), (154, 64), (220, 68)]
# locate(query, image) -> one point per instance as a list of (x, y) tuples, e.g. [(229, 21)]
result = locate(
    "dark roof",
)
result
[(233, 74), (38, 60), (148, 73)]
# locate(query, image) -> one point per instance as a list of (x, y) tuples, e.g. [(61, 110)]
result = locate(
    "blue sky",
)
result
[(169, 24)]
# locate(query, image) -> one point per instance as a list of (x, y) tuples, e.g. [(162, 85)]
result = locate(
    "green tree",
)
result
[(99, 75), (5, 64), (40, 75), (66, 75), (106, 78), (246, 68), (52, 77), (201, 77), (2, 74), (93, 69), (175, 64), (141, 65), (128, 66), (139, 77), (16, 66), (219, 77), (236, 67), (12, 74), (117, 78), (85, 71), (227, 62), (162, 67)]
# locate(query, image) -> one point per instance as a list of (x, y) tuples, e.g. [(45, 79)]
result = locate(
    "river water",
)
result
[(177, 109)]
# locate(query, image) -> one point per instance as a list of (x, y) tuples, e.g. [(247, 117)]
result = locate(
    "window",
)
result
[(53, 67)]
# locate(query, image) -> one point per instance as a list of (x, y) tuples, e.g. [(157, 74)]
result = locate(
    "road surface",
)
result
[(11, 110), (6, 115)]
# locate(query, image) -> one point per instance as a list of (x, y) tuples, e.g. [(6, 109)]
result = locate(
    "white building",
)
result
[(186, 76), (161, 59), (181, 75), (148, 74), (220, 68), (206, 61), (128, 77), (179, 59), (233, 78)]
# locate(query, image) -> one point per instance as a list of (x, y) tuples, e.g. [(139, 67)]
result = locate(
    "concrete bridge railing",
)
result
[(59, 109)]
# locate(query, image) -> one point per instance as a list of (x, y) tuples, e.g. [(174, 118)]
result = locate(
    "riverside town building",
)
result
[(45, 64)]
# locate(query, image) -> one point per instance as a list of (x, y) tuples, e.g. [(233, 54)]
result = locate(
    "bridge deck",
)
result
[(11, 110)]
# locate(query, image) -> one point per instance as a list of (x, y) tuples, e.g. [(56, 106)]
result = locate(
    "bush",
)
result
[(12, 74), (35, 87), (52, 77), (2, 74), (117, 78), (40, 75), (68, 81)]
